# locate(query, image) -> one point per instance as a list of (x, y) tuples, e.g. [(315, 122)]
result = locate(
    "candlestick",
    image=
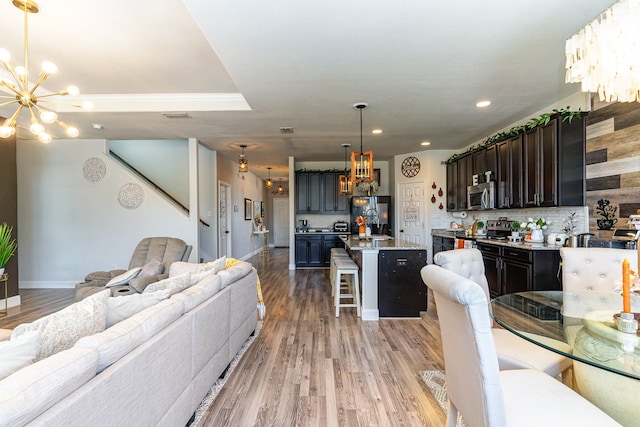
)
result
[(626, 287)]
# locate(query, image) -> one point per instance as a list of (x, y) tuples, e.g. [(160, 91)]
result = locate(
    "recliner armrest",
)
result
[(103, 275)]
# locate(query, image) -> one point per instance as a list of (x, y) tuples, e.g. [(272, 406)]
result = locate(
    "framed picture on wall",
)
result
[(376, 176), (247, 209)]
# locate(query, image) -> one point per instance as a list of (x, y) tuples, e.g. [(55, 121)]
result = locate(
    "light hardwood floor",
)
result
[(307, 367)]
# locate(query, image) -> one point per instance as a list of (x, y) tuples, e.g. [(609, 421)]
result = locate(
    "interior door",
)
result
[(411, 212), (281, 222), (224, 219)]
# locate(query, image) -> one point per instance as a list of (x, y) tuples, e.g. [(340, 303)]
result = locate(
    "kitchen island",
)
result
[(390, 275)]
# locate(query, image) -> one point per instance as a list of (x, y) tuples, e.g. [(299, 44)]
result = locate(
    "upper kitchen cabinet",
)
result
[(334, 202), (465, 177), (485, 164), (452, 186), (554, 164), (509, 173), (308, 192)]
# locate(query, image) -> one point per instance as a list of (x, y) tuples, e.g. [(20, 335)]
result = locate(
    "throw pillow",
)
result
[(18, 352), (220, 264), (120, 308), (174, 284), (61, 330), (124, 278), (152, 268), (180, 267)]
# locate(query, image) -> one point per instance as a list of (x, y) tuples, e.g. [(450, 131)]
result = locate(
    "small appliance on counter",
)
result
[(304, 225), (622, 239), (341, 226), (498, 229)]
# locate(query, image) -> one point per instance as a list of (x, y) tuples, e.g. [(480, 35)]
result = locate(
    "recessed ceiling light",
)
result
[(376, 131), (97, 126), (483, 104), (425, 143)]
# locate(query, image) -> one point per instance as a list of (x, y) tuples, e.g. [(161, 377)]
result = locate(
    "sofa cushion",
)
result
[(37, 387), (152, 268), (124, 278), (236, 271), (174, 284), (140, 283), (120, 339), (19, 352), (120, 308), (61, 330), (200, 292)]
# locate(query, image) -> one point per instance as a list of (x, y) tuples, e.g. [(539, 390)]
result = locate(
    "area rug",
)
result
[(437, 385), (219, 384)]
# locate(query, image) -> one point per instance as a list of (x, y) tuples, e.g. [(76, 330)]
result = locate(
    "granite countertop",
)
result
[(378, 241), (320, 232), (507, 243)]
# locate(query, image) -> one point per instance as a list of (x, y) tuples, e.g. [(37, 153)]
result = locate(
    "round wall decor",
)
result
[(410, 166), (131, 196), (94, 169)]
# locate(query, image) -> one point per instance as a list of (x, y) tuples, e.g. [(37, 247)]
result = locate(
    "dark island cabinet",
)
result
[(401, 291)]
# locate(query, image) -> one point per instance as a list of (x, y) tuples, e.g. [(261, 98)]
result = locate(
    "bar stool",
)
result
[(335, 253), (350, 286)]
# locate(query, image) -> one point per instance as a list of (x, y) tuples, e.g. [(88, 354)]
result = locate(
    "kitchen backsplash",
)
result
[(557, 216)]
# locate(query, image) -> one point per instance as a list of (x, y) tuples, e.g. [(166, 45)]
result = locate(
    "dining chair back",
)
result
[(476, 388)]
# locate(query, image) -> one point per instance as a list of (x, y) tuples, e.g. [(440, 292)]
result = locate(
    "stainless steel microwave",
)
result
[(481, 196)]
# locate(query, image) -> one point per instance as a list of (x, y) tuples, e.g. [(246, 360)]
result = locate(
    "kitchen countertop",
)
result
[(378, 242), (507, 243), (320, 232)]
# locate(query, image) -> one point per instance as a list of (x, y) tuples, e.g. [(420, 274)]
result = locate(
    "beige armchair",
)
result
[(154, 255)]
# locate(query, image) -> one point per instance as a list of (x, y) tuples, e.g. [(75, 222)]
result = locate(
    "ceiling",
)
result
[(244, 69)]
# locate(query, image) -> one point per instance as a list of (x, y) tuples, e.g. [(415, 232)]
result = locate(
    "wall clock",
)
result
[(410, 167)]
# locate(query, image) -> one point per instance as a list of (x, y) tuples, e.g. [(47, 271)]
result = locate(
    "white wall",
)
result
[(70, 226), (243, 185), (208, 196)]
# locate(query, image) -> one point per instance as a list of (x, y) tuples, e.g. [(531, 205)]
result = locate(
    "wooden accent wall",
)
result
[(9, 204), (613, 160)]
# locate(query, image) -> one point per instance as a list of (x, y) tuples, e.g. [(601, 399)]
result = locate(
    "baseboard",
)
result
[(370, 314), (13, 301), (46, 285)]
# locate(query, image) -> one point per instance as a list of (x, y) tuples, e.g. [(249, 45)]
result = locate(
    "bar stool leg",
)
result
[(355, 284)]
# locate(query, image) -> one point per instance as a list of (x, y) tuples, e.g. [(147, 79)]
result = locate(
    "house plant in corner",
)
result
[(7, 246)]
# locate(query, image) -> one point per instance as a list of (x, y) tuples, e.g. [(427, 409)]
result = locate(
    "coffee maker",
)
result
[(304, 225)]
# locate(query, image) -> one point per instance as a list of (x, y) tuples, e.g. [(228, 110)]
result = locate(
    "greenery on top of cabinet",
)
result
[(322, 170), (566, 114)]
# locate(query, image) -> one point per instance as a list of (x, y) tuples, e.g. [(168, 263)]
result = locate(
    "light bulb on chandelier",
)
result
[(22, 92)]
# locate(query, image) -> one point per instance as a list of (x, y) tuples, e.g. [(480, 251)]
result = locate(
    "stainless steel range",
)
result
[(498, 229)]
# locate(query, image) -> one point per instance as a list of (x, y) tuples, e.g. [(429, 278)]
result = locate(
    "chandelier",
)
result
[(345, 181), (281, 191), (361, 162), (604, 56), (243, 163), (24, 93), (269, 181)]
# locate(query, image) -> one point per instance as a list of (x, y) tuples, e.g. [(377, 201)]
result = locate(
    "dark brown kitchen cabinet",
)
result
[(509, 270), (509, 173), (484, 161), (442, 244), (465, 177), (452, 186), (333, 201), (308, 192)]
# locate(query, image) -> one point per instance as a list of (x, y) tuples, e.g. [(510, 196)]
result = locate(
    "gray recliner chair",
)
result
[(151, 250)]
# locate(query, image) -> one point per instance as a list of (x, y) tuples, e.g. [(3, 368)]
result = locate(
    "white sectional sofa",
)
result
[(150, 369)]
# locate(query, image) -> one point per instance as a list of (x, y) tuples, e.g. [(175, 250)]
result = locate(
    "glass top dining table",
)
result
[(584, 320)]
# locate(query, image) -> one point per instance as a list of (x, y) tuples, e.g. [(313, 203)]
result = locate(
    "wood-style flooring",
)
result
[(307, 367)]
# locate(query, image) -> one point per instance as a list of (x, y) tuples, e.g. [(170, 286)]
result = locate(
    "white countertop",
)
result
[(378, 241)]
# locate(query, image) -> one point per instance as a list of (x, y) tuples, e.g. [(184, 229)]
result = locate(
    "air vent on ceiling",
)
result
[(286, 129), (177, 115)]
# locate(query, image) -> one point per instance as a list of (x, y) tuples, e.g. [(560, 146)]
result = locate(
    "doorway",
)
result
[(411, 212), (281, 222), (224, 219)]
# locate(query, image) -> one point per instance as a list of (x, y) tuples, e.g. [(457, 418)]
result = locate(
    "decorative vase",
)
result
[(606, 224), (515, 234), (537, 236), (1, 271)]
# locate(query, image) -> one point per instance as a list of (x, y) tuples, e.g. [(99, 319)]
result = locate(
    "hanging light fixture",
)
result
[(361, 162), (269, 181), (243, 163), (604, 56), (24, 93), (281, 191), (345, 181)]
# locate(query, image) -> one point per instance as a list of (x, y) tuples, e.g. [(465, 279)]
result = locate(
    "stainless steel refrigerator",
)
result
[(377, 210)]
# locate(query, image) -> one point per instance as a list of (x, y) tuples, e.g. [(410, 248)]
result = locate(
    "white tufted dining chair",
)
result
[(513, 351), (477, 389)]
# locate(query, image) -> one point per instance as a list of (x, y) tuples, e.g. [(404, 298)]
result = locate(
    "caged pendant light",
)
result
[(345, 182), (269, 181), (361, 162), (24, 93), (243, 163)]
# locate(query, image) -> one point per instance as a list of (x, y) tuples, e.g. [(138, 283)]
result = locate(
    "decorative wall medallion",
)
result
[(131, 196), (94, 169), (410, 166)]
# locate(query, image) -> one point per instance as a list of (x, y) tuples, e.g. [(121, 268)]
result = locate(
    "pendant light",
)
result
[(269, 181), (345, 181), (361, 162), (243, 163)]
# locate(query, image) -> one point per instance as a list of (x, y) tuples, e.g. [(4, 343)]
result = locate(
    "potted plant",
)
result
[(7, 246), (515, 228), (480, 228)]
